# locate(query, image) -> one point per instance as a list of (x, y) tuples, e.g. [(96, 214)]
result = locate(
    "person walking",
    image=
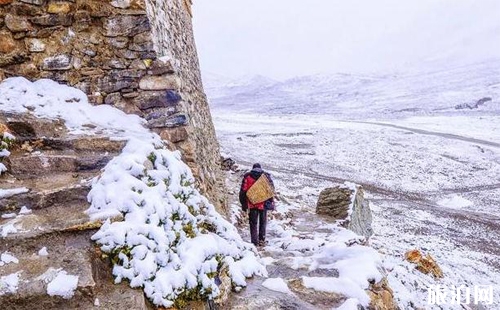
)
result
[(258, 203)]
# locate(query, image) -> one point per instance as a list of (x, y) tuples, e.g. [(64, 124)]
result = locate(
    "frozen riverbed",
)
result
[(433, 182)]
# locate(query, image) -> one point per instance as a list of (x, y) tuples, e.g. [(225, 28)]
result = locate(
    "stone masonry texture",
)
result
[(137, 55)]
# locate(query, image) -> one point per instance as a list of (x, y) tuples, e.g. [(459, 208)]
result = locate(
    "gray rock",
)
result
[(175, 120), (475, 105), (157, 99), (58, 62), (126, 25), (35, 2), (338, 204), (117, 63), (35, 45), (122, 4), (118, 42), (17, 23), (53, 20)]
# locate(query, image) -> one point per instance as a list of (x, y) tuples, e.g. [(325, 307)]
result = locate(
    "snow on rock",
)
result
[(7, 258), (277, 284), (455, 202), (63, 285), (48, 99), (6, 193), (267, 260), (8, 228), (349, 304), (43, 252), (351, 282), (8, 215), (24, 210), (9, 283), (354, 188), (343, 286)]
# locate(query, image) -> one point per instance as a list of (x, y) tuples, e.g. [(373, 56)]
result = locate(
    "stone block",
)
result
[(172, 121), (59, 8), (57, 62), (35, 2), (53, 20), (160, 82), (126, 25), (17, 23), (35, 45), (343, 204), (174, 135), (118, 42), (7, 42), (157, 99), (121, 4)]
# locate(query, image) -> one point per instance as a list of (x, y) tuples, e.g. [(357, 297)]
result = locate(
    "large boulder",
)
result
[(346, 204)]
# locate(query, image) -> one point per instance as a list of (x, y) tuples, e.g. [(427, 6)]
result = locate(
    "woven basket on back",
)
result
[(260, 191)]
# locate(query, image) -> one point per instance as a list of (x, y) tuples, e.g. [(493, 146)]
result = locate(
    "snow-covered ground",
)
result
[(431, 171)]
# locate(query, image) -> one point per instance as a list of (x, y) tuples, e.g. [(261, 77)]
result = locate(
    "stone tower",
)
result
[(136, 55)]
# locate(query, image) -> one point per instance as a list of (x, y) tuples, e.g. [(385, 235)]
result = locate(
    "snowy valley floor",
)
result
[(433, 184)]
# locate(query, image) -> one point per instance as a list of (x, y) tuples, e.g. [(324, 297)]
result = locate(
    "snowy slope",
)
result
[(354, 96)]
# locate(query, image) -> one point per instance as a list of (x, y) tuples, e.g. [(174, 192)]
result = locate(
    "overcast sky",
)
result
[(285, 38)]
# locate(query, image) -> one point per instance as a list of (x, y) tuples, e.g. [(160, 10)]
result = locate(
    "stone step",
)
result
[(56, 219), (27, 126), (55, 161), (73, 254), (43, 191), (65, 232), (76, 143)]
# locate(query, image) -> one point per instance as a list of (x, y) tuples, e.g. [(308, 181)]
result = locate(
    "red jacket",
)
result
[(248, 180)]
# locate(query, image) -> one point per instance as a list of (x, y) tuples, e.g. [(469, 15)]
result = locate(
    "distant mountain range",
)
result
[(354, 96)]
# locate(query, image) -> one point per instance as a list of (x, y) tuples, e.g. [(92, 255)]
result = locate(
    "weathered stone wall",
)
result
[(137, 55)]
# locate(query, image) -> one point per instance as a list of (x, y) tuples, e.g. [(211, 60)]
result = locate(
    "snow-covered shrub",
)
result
[(5, 142), (172, 242)]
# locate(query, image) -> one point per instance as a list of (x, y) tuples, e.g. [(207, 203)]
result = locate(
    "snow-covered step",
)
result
[(17, 228), (43, 191), (48, 273)]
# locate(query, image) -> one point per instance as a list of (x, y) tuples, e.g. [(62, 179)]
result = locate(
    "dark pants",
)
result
[(259, 216)]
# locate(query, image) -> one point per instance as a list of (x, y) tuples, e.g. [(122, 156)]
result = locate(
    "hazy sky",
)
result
[(284, 38)]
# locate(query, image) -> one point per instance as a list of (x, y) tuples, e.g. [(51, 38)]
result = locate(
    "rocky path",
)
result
[(295, 236)]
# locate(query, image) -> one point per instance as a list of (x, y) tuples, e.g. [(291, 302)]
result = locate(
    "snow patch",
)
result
[(337, 285), (8, 215), (349, 304), (24, 210), (63, 285), (455, 202), (7, 258), (7, 193), (8, 228), (43, 252), (9, 283), (277, 284)]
